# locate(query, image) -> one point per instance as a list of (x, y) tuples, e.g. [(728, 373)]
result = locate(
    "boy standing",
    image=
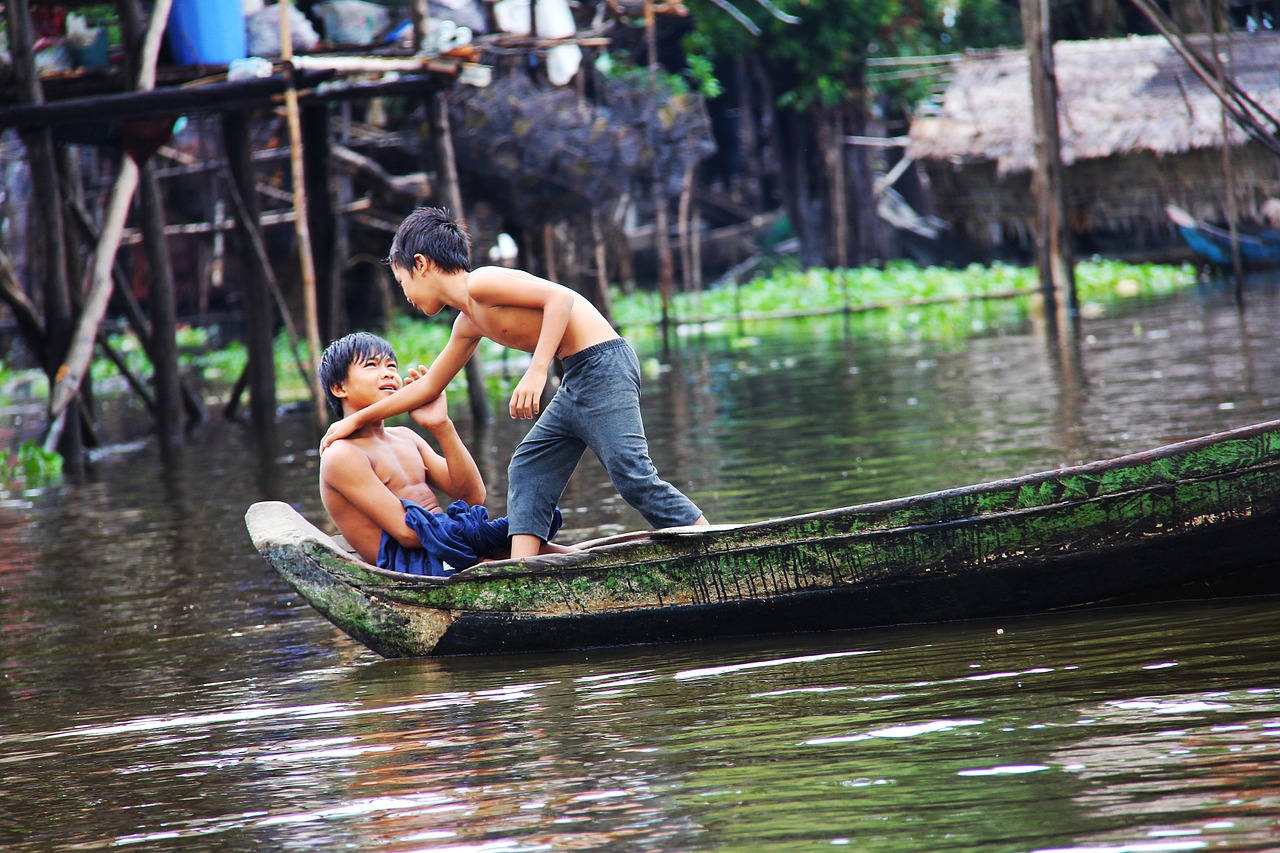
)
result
[(596, 406), (379, 484)]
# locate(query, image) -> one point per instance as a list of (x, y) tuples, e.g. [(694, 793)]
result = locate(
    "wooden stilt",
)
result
[(447, 170), (30, 324), (139, 387), (259, 318), (301, 221), (322, 220), (164, 343), (1054, 255), (682, 229), (58, 317), (601, 299)]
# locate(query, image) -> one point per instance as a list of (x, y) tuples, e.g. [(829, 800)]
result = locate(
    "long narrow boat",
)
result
[(1196, 519), (1257, 250)]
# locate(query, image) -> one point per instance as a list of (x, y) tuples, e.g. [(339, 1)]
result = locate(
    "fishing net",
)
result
[(548, 149)]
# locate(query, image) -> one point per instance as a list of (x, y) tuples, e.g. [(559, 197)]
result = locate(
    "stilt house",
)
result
[(1139, 130)]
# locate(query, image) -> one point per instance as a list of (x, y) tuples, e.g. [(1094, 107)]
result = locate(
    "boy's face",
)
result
[(416, 285), (369, 379)]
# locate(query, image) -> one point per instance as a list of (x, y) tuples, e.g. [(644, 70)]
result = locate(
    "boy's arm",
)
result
[(411, 396), (453, 470), (348, 471), (495, 286)]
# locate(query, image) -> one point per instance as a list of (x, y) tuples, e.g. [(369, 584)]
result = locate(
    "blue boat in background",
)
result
[(1214, 243)]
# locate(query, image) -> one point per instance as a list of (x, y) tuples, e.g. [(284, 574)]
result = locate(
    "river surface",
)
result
[(161, 689)]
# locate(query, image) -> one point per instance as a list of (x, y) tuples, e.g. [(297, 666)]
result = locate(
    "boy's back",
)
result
[(494, 312)]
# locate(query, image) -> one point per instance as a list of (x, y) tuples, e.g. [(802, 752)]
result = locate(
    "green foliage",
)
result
[(985, 23), (702, 74), (30, 467), (910, 302), (819, 60), (620, 65)]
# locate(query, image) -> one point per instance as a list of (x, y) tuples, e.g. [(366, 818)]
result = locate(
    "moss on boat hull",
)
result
[(1139, 528)]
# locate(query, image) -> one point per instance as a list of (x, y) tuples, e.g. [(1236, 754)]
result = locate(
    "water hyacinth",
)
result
[(900, 301)]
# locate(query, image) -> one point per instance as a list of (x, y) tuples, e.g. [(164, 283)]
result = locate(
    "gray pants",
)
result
[(596, 406)]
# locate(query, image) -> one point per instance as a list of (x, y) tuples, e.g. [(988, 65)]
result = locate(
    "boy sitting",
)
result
[(378, 485)]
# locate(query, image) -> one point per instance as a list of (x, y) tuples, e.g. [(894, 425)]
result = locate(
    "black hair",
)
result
[(338, 357), (434, 234)]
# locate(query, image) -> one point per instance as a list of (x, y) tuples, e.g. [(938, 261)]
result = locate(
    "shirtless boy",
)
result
[(596, 406), (379, 484)]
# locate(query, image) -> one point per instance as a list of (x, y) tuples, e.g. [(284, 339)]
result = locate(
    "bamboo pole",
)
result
[(1228, 173), (300, 223), (76, 362)]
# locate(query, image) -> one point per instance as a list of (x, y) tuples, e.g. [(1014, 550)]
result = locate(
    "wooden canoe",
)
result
[(1213, 243), (1197, 519)]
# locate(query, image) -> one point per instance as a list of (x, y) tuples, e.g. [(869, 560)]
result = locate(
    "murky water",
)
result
[(162, 689)]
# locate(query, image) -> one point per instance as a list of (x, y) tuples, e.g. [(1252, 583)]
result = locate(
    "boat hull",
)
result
[(1199, 519)]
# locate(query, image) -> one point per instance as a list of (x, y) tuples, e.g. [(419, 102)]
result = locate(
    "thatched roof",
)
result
[(1117, 96)]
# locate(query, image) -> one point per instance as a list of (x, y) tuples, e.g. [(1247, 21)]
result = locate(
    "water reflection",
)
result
[(160, 688)]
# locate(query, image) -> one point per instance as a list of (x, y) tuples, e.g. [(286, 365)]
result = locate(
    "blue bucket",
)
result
[(207, 32)]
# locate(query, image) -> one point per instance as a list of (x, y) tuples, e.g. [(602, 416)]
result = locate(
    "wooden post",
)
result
[(682, 228), (661, 226), (259, 318), (322, 223), (58, 317), (447, 176), (164, 344), (827, 126), (301, 219), (1054, 256)]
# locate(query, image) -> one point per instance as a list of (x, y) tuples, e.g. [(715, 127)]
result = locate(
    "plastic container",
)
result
[(206, 32)]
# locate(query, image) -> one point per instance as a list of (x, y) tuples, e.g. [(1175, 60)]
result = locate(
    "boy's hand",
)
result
[(432, 414), (527, 398), (337, 430)]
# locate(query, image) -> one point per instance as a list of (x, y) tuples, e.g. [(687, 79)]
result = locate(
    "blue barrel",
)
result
[(206, 32)]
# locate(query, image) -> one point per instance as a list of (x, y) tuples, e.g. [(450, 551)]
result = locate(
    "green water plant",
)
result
[(899, 301), (904, 289), (30, 466)]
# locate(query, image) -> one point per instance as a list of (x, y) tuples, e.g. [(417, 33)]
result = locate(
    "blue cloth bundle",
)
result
[(452, 540)]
